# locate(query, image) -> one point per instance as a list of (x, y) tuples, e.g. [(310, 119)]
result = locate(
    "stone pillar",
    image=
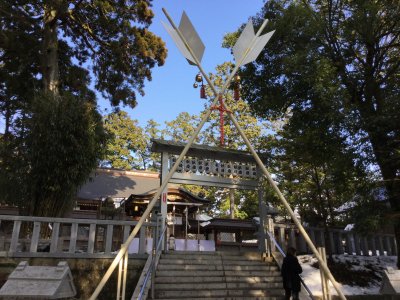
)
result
[(302, 244), (364, 246), (380, 245), (373, 245), (322, 237), (262, 247), (350, 243), (164, 193), (394, 246), (357, 244), (282, 240), (332, 242), (388, 246), (340, 242), (271, 229), (292, 238)]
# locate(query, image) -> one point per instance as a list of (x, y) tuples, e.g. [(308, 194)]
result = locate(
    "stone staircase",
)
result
[(217, 275)]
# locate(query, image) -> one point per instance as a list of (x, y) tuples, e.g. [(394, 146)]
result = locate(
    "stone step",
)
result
[(211, 273), (250, 268), (217, 286), (226, 298), (229, 255), (201, 261), (219, 293), (253, 273), (203, 273), (197, 261), (228, 279), (217, 275), (216, 267)]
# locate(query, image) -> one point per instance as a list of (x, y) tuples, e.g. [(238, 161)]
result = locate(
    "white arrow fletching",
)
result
[(241, 47), (242, 52), (257, 48), (178, 42), (192, 38)]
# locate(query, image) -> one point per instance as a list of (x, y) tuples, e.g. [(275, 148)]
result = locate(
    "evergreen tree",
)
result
[(48, 51), (346, 52), (126, 143)]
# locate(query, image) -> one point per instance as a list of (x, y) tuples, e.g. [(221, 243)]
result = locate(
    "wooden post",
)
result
[(324, 280)]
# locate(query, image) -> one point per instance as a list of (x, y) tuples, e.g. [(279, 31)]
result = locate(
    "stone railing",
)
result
[(23, 236), (340, 241)]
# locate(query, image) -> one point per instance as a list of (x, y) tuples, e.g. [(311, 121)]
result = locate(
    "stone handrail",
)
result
[(25, 236)]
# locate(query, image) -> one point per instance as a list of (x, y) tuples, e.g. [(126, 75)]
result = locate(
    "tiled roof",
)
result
[(118, 184)]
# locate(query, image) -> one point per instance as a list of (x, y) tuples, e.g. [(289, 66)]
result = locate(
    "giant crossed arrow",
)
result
[(246, 50)]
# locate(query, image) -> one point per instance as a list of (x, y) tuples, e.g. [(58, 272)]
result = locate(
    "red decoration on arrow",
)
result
[(222, 110)]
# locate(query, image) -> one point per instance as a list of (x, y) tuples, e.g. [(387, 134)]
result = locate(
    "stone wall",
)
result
[(86, 273)]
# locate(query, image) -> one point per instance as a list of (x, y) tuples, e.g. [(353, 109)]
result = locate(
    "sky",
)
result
[(171, 89)]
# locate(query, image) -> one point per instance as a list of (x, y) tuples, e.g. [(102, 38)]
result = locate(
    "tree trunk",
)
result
[(50, 51), (384, 150)]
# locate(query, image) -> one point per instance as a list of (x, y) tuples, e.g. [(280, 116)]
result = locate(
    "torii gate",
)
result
[(246, 50)]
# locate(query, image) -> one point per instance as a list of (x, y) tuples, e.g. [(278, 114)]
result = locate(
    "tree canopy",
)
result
[(335, 64), (109, 37), (53, 55)]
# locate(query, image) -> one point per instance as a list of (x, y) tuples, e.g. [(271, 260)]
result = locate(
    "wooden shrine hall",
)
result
[(182, 208)]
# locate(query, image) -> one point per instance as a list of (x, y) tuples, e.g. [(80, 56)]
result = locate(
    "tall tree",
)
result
[(182, 128), (348, 47), (151, 161), (126, 143), (111, 35), (42, 168), (49, 50)]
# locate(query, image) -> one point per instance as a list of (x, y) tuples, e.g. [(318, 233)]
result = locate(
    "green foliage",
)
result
[(111, 37), (334, 65), (152, 160), (126, 144), (60, 145), (182, 128), (51, 49)]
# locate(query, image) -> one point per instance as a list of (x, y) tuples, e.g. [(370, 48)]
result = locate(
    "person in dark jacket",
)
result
[(290, 274)]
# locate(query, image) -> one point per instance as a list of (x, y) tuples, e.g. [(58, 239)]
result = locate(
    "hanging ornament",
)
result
[(203, 92), (199, 79)]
